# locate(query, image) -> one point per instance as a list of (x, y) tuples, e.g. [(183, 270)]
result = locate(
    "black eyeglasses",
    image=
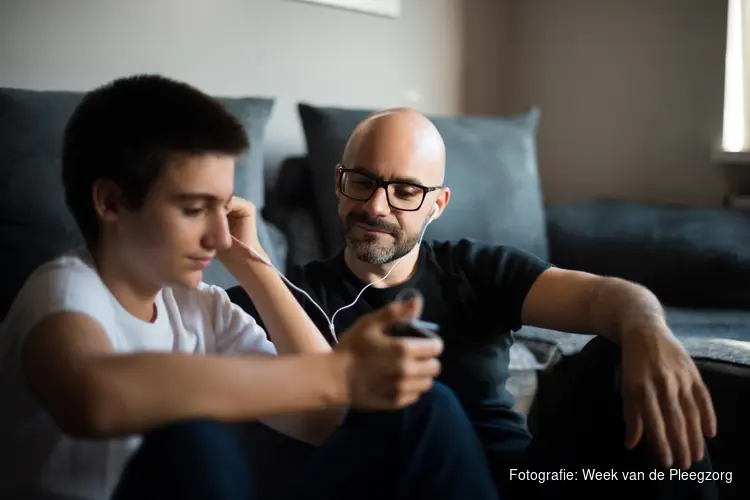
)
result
[(360, 186)]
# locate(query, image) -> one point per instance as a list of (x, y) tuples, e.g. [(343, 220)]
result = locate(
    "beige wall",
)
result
[(630, 90), (631, 93)]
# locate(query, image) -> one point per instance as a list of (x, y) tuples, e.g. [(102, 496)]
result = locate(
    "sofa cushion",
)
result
[(491, 170), (35, 224), (690, 257)]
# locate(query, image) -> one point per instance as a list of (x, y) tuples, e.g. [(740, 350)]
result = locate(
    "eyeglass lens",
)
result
[(400, 196)]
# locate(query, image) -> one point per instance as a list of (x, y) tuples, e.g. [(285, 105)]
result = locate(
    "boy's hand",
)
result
[(381, 372), (242, 220)]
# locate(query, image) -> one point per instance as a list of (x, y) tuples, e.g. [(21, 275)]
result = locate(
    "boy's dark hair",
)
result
[(128, 130)]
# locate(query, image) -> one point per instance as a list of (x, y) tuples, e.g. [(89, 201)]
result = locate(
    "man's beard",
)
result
[(368, 249)]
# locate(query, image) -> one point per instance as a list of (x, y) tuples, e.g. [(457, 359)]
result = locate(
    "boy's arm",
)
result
[(292, 332), (288, 325), (92, 391)]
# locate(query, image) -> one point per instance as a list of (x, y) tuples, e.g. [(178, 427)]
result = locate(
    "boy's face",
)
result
[(174, 236)]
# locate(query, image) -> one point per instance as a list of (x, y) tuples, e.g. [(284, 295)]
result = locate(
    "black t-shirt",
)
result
[(474, 291)]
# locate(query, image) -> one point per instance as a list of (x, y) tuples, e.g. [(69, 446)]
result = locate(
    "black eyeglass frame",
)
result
[(384, 184)]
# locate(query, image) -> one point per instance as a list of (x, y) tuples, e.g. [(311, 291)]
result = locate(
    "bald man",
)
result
[(390, 186)]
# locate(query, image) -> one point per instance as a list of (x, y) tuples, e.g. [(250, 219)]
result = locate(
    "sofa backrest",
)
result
[(35, 224), (491, 168)]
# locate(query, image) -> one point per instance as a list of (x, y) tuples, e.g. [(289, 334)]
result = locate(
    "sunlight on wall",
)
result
[(734, 137)]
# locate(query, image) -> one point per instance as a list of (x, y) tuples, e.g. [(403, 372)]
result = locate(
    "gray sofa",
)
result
[(696, 260)]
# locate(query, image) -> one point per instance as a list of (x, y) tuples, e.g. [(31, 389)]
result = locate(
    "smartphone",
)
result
[(416, 329)]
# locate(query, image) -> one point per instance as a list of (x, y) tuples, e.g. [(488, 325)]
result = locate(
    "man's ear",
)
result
[(443, 198), (107, 198)]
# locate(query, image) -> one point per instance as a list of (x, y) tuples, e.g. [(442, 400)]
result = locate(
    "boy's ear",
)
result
[(107, 198)]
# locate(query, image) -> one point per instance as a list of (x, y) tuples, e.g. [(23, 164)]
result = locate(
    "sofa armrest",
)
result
[(689, 257)]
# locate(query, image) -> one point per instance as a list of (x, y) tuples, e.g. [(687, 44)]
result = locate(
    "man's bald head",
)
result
[(403, 147), (400, 136)]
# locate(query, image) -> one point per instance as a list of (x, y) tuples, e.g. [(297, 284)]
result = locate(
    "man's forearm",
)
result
[(131, 394), (619, 307), (290, 328)]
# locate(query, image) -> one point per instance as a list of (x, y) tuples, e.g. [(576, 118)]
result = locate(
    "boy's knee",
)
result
[(192, 435), (188, 427), (439, 394), (191, 458)]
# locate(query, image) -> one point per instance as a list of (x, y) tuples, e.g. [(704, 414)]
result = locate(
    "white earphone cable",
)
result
[(330, 320)]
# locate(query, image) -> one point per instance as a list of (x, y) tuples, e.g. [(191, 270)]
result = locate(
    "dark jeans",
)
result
[(426, 451), (578, 425)]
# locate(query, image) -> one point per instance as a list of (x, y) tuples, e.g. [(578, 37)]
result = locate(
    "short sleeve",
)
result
[(504, 275), (236, 332), (66, 284)]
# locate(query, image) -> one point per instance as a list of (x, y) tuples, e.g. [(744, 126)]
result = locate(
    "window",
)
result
[(736, 78)]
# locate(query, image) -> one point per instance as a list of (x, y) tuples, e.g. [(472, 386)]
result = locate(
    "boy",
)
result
[(120, 369)]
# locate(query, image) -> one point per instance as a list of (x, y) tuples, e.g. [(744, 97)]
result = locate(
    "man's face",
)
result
[(174, 236), (375, 230)]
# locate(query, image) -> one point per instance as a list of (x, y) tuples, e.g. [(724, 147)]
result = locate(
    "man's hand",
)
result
[(665, 397), (380, 372)]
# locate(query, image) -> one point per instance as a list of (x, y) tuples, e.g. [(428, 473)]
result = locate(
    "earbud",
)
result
[(435, 210)]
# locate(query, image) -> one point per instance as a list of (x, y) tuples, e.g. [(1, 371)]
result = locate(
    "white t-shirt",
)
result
[(34, 452)]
